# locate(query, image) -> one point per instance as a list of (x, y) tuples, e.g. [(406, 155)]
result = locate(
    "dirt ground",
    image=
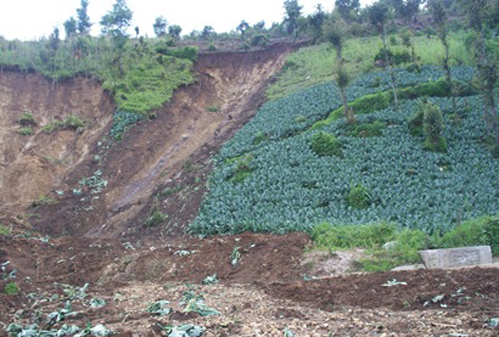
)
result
[(263, 294)]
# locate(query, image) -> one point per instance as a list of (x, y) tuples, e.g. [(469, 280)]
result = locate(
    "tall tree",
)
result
[(439, 17), (118, 20), (84, 23), (316, 20), (159, 26), (70, 27), (378, 15), (348, 9), (336, 32), (481, 16), (242, 27), (174, 31), (207, 32), (406, 9), (293, 13)]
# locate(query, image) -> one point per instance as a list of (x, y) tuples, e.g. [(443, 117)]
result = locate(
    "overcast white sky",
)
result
[(30, 19)]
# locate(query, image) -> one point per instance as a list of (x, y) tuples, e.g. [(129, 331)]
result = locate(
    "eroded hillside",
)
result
[(32, 165), (200, 117)]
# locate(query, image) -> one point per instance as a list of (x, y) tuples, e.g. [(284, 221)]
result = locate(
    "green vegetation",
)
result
[(72, 122), (313, 65), (155, 219), (4, 230), (324, 144), (359, 197), (44, 200), (25, 131), (11, 289), (364, 130), (242, 169), (139, 77), (406, 242), (433, 124), (27, 119), (290, 188)]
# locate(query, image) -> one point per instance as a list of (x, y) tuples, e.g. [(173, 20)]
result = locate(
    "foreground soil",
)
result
[(263, 294)]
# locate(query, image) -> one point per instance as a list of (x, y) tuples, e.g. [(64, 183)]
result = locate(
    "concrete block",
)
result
[(456, 257)]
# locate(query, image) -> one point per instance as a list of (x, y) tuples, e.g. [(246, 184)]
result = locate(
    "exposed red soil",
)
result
[(157, 153), (32, 165), (468, 289)]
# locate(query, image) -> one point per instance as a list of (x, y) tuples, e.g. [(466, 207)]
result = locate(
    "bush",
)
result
[(260, 40), (370, 103), (438, 88), (73, 122), (242, 170), (260, 137), (27, 119), (155, 219), (374, 235), (359, 197), (325, 144), (395, 57), (11, 289), (433, 125), (25, 131), (476, 232), (365, 130), (415, 124)]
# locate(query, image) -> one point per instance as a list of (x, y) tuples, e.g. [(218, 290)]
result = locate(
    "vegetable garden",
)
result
[(283, 185)]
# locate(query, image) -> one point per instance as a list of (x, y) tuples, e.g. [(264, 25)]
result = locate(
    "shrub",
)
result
[(25, 131), (433, 124), (155, 219), (260, 137), (27, 119), (325, 144), (476, 232), (365, 130), (242, 170), (73, 122), (11, 289), (260, 40), (415, 124), (359, 197), (370, 103), (212, 47), (395, 57), (43, 200), (374, 235)]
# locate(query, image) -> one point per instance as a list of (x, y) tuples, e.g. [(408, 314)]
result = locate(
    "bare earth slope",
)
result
[(200, 117), (31, 166)]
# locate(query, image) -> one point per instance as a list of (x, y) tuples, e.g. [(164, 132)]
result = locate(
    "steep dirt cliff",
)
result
[(229, 88), (32, 165)]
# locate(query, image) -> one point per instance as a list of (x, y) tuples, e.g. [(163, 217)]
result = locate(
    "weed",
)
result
[(4, 230), (214, 108), (27, 119), (11, 289), (25, 131), (44, 200), (242, 170), (169, 191), (155, 219)]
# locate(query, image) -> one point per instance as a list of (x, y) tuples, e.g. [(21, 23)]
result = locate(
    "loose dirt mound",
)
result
[(185, 133), (31, 165)]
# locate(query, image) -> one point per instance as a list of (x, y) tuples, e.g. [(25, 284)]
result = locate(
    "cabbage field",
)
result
[(268, 178)]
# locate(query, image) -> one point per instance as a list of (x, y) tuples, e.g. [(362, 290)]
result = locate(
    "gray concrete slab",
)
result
[(456, 257)]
